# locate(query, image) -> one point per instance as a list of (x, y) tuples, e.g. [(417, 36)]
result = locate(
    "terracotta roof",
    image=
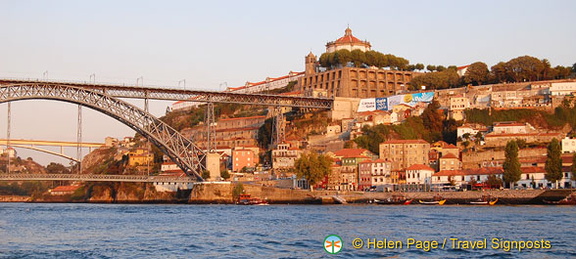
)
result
[(496, 135), (350, 152), (379, 160), (348, 37), (406, 141), (449, 173), (419, 167), (449, 155), (508, 124)]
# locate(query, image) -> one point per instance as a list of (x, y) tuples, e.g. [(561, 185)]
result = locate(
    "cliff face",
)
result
[(128, 193)]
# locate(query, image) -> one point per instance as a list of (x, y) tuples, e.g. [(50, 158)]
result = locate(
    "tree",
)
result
[(56, 168), (511, 166), (553, 165), (313, 167), (205, 174), (498, 73), (225, 174), (476, 74), (574, 68), (372, 137), (433, 118)]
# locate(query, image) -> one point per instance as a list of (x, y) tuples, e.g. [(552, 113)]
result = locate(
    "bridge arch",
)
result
[(182, 151), (45, 151)]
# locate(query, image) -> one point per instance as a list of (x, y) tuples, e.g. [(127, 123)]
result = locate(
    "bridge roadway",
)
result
[(168, 94), (96, 178)]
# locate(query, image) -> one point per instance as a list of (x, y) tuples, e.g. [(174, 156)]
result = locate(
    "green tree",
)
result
[(476, 74), (498, 73), (238, 189), (313, 167), (372, 137), (225, 174), (525, 68), (433, 118), (553, 165), (205, 174), (56, 168), (511, 166)]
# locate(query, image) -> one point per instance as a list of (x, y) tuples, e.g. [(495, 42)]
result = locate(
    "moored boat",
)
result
[(569, 200), (436, 200), (485, 200), (247, 199), (440, 202), (394, 200)]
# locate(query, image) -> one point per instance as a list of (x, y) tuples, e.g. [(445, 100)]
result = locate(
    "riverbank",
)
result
[(226, 193)]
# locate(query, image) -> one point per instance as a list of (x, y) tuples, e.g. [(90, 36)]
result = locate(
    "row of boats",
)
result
[(437, 200)]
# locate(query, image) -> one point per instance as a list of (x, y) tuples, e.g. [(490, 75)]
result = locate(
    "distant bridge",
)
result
[(33, 145), (96, 178)]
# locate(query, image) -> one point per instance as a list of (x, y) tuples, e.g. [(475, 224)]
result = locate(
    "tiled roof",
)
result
[(449, 155), (347, 152), (406, 141), (419, 167)]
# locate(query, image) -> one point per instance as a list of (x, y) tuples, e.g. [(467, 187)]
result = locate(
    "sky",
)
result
[(214, 44)]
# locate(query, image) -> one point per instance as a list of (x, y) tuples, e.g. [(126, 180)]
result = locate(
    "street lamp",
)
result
[(182, 81), (45, 75), (141, 80)]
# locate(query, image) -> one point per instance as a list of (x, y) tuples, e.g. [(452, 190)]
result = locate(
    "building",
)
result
[(563, 88), (348, 42), (511, 127), (449, 162), (568, 145), (64, 190), (404, 153), (244, 158), (419, 174), (457, 106), (140, 157), (284, 156), (270, 83), (351, 81)]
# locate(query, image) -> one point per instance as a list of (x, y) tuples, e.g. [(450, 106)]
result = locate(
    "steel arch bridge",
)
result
[(182, 151)]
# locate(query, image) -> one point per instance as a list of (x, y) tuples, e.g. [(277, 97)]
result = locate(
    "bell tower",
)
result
[(310, 64)]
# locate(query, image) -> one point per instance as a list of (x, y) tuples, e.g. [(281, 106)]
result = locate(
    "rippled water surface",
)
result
[(277, 231)]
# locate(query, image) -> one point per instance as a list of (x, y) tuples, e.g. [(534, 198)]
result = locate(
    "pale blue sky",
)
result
[(209, 43)]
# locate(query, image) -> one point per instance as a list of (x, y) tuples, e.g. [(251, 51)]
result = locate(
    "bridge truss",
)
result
[(182, 151)]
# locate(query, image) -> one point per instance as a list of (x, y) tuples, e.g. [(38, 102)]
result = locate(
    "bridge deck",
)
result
[(171, 94), (96, 178)]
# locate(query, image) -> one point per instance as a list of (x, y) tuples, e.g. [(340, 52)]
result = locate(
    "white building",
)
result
[(419, 174), (568, 145), (563, 88)]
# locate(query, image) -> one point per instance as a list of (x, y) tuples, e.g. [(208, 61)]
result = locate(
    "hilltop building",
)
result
[(351, 81)]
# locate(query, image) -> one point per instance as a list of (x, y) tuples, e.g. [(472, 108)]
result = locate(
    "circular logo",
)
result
[(333, 244)]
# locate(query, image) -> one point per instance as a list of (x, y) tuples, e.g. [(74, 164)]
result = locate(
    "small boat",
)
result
[(395, 199), (436, 200), (440, 202), (569, 200), (485, 200), (247, 199)]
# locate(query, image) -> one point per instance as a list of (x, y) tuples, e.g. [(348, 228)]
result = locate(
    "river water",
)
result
[(29, 230)]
